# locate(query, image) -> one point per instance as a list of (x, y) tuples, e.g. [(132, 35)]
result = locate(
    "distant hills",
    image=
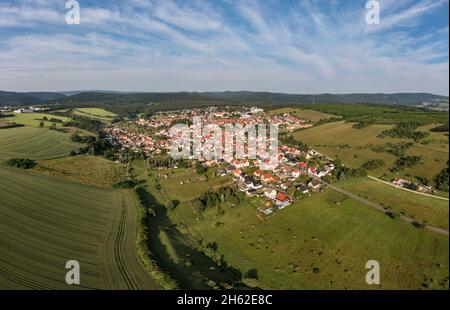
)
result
[(192, 99), (18, 99)]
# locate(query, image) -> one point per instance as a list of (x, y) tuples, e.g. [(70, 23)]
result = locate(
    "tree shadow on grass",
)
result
[(179, 256)]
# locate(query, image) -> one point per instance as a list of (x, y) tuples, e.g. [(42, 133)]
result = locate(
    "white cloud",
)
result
[(161, 46)]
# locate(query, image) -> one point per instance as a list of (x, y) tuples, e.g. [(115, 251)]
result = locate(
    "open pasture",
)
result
[(97, 113), (34, 119), (319, 242)]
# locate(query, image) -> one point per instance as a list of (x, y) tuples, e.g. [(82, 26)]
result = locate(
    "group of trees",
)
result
[(289, 139), (344, 173), (199, 168), (213, 199), (23, 163), (166, 162), (99, 146), (75, 137), (405, 130), (6, 115), (408, 161), (441, 128), (373, 164), (442, 180), (87, 123)]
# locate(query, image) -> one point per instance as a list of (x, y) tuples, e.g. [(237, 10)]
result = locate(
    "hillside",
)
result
[(161, 100), (20, 99)]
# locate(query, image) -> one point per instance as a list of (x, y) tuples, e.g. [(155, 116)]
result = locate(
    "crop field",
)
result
[(98, 113), (422, 208), (44, 222), (356, 146), (310, 115), (33, 119), (86, 169), (320, 242), (35, 143)]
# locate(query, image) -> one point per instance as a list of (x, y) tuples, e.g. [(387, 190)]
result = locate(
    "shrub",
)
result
[(373, 164), (22, 163), (441, 128), (408, 161), (442, 180)]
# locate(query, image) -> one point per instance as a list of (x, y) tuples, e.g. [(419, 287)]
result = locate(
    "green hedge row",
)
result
[(142, 244)]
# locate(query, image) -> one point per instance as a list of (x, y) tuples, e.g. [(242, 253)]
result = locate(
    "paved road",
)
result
[(379, 207), (407, 189)]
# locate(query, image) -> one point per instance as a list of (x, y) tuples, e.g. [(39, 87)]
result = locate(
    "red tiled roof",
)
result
[(282, 197)]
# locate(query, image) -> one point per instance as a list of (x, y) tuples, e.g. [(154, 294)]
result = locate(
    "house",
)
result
[(257, 185), (282, 200), (251, 192), (400, 182), (231, 168), (267, 177), (320, 172), (221, 172), (270, 192), (286, 185), (258, 173), (303, 166), (314, 184), (303, 188), (248, 179), (237, 173), (296, 173)]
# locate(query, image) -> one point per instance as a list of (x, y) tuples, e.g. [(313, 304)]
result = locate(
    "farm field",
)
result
[(56, 221), (87, 169), (98, 113), (33, 119), (320, 242), (35, 143), (422, 208), (356, 146), (310, 115)]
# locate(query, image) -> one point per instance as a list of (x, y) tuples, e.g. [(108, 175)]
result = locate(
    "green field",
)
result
[(380, 114), (356, 146), (433, 211), (321, 242), (86, 169), (35, 143), (97, 113), (310, 115), (33, 119), (44, 222)]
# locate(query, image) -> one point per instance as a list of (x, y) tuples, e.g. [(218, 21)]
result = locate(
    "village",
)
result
[(276, 186)]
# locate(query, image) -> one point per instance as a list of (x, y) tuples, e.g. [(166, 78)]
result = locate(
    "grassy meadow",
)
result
[(320, 242), (44, 222), (430, 210), (97, 113), (310, 115), (356, 146), (34, 119)]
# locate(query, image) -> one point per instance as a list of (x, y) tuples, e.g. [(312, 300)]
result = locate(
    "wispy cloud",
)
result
[(149, 45)]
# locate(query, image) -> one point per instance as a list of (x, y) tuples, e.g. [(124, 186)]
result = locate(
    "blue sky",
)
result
[(302, 46)]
